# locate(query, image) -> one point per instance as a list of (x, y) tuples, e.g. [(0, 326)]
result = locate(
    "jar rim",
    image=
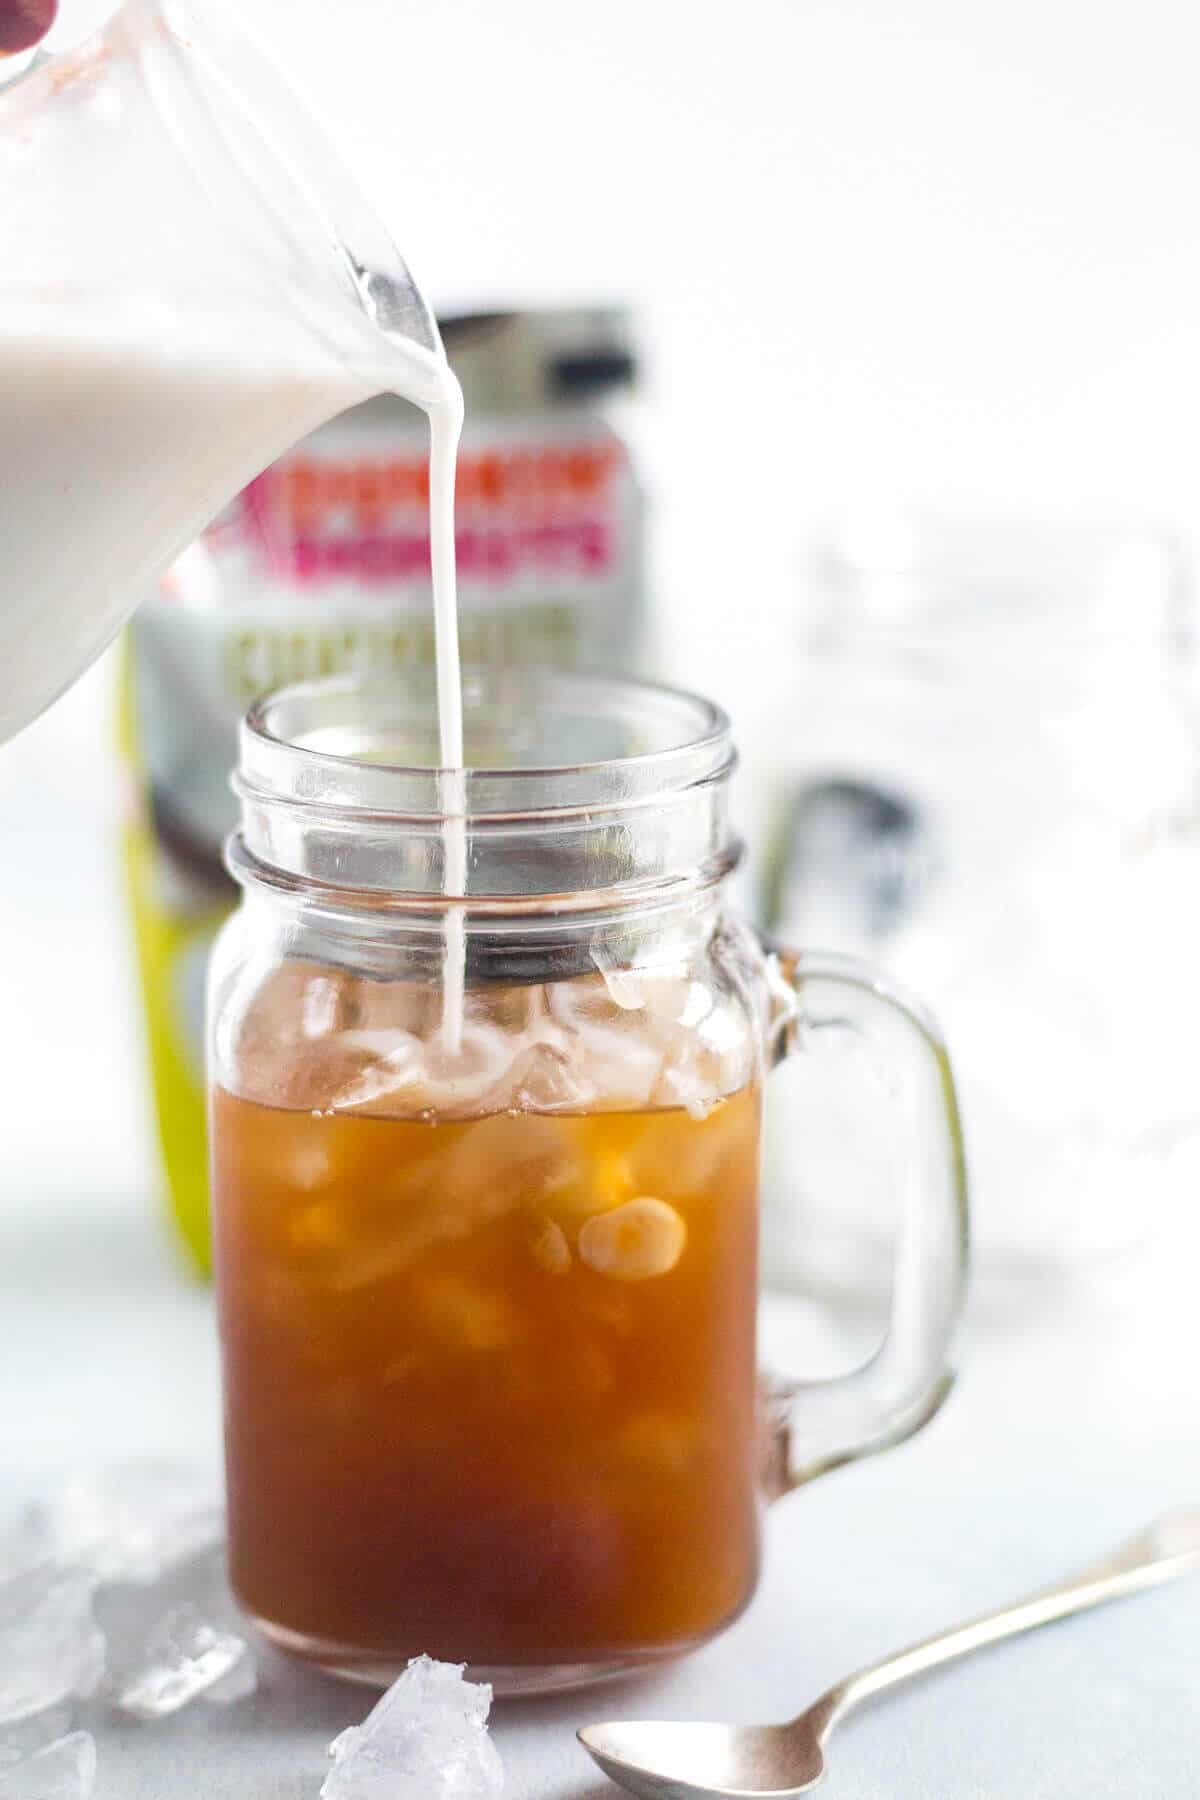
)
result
[(341, 788), (335, 742)]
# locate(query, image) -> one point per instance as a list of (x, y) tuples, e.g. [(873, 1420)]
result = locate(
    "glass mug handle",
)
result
[(816, 1426)]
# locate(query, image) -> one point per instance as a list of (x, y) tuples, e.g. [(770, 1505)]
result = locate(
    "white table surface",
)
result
[(1074, 1420)]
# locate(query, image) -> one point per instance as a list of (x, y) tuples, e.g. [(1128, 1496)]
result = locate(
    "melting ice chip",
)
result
[(186, 1657), (50, 1644), (65, 1770), (426, 1740)]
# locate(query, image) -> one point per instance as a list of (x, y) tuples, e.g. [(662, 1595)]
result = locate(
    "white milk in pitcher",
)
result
[(113, 453), (117, 448), (120, 437)]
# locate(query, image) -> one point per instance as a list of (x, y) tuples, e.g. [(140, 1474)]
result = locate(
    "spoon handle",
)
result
[(1168, 1548)]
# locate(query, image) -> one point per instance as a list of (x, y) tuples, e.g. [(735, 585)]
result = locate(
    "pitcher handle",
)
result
[(816, 1426)]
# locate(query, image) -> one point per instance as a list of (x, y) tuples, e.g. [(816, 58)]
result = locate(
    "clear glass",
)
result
[(190, 283), (993, 794), (488, 1315)]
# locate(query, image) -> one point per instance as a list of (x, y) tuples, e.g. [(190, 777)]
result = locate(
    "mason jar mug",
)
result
[(485, 1172)]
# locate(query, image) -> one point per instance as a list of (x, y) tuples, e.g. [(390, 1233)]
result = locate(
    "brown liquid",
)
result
[(472, 1407)]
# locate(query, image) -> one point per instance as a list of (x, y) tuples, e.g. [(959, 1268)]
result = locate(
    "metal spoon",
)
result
[(682, 1762)]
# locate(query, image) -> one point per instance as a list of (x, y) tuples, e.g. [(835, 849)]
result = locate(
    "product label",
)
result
[(321, 567)]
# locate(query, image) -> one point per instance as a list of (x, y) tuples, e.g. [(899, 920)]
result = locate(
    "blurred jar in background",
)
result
[(990, 789)]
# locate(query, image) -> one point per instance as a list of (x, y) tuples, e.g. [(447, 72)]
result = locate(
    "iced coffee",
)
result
[(489, 1346), (486, 1221)]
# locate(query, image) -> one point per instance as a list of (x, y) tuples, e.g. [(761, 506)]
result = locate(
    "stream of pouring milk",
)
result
[(445, 428)]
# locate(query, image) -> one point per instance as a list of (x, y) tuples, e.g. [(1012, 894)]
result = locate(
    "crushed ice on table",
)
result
[(237, 1684), (176, 1640), (50, 1645), (427, 1739), (64, 1770), (21, 1737), (130, 1522), (187, 1657), (115, 1577)]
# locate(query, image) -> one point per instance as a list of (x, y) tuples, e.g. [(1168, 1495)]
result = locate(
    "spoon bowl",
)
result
[(672, 1761)]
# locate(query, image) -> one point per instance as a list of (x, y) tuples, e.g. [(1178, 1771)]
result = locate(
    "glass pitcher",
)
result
[(488, 1316), (190, 283)]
